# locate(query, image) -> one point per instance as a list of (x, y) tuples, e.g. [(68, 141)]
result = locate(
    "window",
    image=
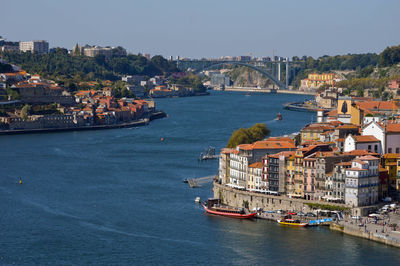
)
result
[(376, 148), (390, 150), (369, 147), (397, 150)]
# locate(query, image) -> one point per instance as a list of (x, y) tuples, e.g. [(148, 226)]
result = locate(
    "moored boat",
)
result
[(278, 117), (213, 206), (292, 222)]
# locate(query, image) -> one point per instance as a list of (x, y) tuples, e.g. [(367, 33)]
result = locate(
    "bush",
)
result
[(248, 135)]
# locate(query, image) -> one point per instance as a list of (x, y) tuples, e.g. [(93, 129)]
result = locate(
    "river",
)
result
[(116, 196)]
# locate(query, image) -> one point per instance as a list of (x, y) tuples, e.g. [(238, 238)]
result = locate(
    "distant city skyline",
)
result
[(208, 28)]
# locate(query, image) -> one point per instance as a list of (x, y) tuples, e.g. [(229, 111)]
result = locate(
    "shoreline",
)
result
[(235, 198), (141, 122), (252, 89)]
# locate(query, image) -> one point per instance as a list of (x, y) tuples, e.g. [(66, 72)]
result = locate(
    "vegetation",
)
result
[(248, 135), (120, 90), (4, 68), (45, 109), (61, 66), (25, 111), (390, 56), (326, 207), (191, 81)]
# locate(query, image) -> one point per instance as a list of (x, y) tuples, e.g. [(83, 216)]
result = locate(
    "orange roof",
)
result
[(393, 128), (344, 164), (356, 169), (366, 138), (256, 165), (368, 158), (227, 150), (359, 161), (347, 126), (332, 113), (377, 105)]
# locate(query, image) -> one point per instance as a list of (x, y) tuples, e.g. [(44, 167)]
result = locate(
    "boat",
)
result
[(213, 206), (278, 117), (248, 94), (208, 154), (197, 200), (291, 222), (185, 180)]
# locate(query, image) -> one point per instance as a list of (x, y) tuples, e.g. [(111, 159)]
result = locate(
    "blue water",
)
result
[(117, 197)]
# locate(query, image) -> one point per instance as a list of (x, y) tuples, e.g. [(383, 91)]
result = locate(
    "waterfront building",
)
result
[(383, 190), (309, 176), (220, 80), (364, 142), (223, 169), (338, 182), (39, 47), (298, 175), (290, 171), (254, 176), (362, 182)]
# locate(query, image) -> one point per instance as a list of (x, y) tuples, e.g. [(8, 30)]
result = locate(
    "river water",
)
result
[(116, 196)]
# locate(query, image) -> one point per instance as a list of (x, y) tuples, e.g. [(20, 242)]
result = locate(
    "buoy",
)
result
[(20, 181), (162, 139)]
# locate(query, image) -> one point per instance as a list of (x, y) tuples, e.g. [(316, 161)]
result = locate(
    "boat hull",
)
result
[(293, 224), (227, 214)]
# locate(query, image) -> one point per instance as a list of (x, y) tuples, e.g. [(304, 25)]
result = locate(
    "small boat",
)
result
[(291, 222), (185, 180), (213, 206), (197, 200), (278, 117), (248, 94)]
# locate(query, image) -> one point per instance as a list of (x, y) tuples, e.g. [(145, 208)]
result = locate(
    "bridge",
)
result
[(271, 69)]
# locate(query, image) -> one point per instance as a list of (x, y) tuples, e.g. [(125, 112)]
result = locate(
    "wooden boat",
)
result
[(292, 222), (212, 207)]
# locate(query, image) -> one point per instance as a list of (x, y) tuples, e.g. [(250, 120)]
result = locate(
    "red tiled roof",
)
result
[(365, 138)]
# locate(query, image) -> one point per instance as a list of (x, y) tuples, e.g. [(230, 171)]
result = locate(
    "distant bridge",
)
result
[(271, 69)]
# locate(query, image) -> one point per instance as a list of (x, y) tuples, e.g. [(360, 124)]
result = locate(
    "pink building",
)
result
[(309, 177), (394, 84)]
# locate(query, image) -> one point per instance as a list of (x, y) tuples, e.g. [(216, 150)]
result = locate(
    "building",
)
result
[(309, 176), (220, 80), (362, 182), (338, 182), (314, 131), (365, 142), (390, 162), (254, 176), (314, 81), (39, 47), (388, 134)]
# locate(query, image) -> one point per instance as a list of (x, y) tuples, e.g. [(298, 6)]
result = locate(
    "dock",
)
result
[(198, 182)]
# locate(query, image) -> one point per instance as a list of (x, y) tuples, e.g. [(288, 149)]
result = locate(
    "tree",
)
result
[(248, 135), (25, 111)]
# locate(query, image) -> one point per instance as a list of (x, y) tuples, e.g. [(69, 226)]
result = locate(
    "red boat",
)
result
[(214, 208)]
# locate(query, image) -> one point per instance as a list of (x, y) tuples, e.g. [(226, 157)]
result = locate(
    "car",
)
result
[(292, 213), (300, 213), (281, 212), (356, 217), (310, 214)]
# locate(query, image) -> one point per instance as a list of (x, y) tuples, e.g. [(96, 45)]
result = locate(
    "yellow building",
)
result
[(348, 112), (314, 131), (290, 171), (390, 162), (254, 175), (315, 80)]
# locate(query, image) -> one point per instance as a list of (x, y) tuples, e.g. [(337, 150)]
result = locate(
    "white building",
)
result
[(40, 47), (388, 134), (366, 142), (362, 182)]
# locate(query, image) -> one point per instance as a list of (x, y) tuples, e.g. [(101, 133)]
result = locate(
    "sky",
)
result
[(208, 28)]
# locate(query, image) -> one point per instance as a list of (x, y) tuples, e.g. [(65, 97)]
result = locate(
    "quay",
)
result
[(266, 90), (141, 122)]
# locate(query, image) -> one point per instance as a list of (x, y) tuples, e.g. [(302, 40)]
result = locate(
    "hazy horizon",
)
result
[(209, 28)]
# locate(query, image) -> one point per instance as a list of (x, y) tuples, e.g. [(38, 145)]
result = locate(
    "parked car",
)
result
[(281, 212), (356, 217), (310, 214), (300, 213)]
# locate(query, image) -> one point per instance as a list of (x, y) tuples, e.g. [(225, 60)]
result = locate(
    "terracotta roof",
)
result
[(359, 161), (347, 126), (368, 158), (393, 128), (332, 113), (365, 138), (356, 169), (256, 165), (391, 155), (344, 164), (377, 105)]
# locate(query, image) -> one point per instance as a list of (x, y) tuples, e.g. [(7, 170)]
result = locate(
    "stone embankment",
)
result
[(136, 123), (265, 90)]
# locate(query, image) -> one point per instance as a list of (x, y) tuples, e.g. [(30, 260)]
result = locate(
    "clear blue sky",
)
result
[(208, 28)]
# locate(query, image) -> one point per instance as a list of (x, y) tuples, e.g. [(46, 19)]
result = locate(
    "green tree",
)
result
[(248, 135), (25, 111)]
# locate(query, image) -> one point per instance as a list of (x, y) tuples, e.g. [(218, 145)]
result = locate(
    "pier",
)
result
[(198, 182)]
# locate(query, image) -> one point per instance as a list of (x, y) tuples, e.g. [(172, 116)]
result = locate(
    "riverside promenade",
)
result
[(386, 230)]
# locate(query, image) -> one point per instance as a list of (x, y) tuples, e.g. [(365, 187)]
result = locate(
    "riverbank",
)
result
[(264, 90), (141, 122)]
